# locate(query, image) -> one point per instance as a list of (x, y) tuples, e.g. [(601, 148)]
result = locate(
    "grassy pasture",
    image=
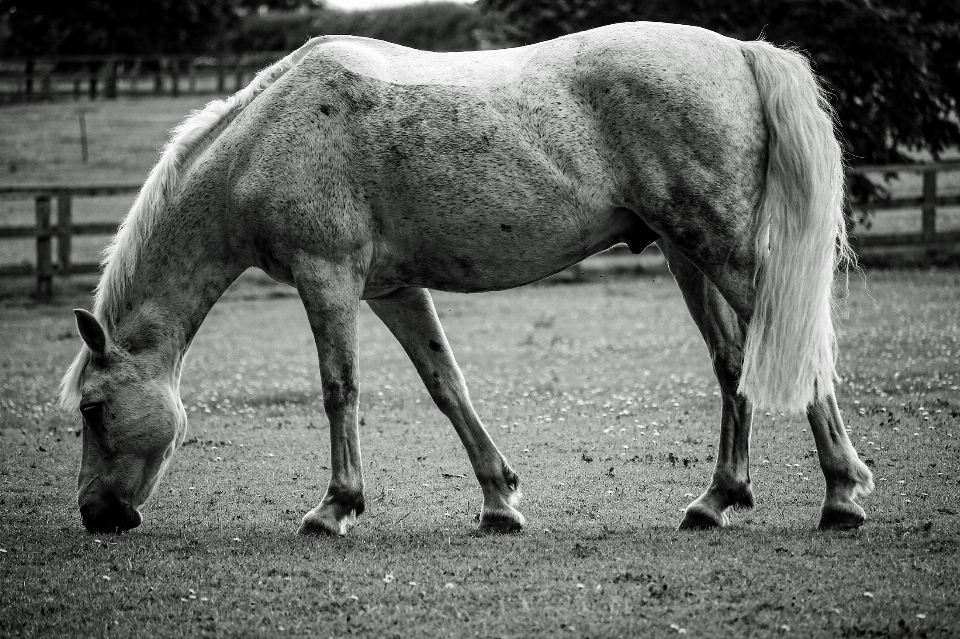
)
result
[(600, 394)]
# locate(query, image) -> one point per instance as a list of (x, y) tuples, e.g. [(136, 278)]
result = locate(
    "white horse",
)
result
[(360, 170)]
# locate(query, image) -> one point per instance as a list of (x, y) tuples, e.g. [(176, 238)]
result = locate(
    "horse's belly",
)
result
[(501, 250)]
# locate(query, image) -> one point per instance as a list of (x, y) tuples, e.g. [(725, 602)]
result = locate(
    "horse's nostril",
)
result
[(109, 516)]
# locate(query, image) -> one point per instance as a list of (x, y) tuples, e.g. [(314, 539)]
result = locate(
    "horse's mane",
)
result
[(187, 141)]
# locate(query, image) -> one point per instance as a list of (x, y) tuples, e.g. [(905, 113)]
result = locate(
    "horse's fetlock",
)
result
[(346, 498), (510, 478), (732, 492)]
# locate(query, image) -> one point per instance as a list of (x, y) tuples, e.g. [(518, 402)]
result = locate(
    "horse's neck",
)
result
[(180, 272)]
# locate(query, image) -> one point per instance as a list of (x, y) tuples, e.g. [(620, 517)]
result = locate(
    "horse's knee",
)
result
[(447, 395), (339, 395), (727, 365)]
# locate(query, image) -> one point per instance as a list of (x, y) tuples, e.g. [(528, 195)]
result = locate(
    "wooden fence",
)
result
[(928, 242), (929, 239), (63, 231), (49, 77)]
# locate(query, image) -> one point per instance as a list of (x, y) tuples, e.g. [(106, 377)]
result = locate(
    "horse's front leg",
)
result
[(723, 333), (412, 318), (846, 476), (331, 296)]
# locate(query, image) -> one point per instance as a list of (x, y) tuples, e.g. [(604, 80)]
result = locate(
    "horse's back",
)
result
[(524, 158)]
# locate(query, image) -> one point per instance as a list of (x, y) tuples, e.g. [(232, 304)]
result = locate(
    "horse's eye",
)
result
[(93, 415)]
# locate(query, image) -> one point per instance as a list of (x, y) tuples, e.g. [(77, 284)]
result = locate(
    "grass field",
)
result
[(601, 396)]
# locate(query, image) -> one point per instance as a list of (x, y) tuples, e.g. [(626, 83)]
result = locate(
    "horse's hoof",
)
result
[(696, 517), (320, 522), (502, 520), (845, 516)]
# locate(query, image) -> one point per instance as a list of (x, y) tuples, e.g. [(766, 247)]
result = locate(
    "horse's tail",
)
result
[(800, 238)]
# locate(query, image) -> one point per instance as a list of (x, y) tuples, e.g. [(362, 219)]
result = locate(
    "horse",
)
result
[(358, 170)]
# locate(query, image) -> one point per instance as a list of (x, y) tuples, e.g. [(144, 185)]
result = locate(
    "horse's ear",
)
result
[(91, 331)]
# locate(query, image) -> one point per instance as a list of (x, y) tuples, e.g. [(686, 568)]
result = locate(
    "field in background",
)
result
[(601, 396), (42, 145)]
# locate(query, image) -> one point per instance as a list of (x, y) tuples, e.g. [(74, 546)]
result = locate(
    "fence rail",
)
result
[(929, 241)]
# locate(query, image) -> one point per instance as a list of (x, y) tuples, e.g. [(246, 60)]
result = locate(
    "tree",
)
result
[(892, 66), (434, 26), (266, 6), (112, 26)]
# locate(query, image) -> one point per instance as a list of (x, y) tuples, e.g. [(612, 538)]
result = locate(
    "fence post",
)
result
[(94, 70), (158, 77), (28, 73), (221, 75), (110, 84), (175, 77), (929, 227), (44, 261), (64, 232)]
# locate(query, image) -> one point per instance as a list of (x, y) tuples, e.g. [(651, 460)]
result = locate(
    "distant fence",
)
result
[(63, 231), (929, 241), (50, 77)]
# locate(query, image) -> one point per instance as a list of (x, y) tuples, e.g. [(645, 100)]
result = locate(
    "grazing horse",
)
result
[(355, 170)]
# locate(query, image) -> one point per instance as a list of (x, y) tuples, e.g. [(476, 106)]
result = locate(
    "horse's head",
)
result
[(133, 421)]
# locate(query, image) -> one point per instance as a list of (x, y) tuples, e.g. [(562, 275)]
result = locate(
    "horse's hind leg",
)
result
[(331, 296), (846, 476), (411, 317), (724, 334)]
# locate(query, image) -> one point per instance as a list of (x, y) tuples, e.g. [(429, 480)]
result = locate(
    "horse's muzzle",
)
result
[(109, 515)]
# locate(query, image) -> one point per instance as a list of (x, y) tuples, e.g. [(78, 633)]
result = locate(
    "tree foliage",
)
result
[(111, 26), (55, 27), (892, 66), (439, 26)]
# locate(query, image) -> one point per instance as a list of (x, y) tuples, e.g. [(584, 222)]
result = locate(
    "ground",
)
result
[(601, 396)]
